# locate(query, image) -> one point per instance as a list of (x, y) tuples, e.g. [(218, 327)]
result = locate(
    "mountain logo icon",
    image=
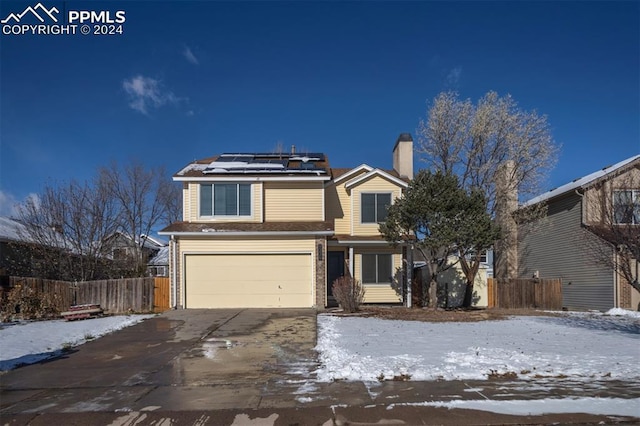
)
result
[(39, 11)]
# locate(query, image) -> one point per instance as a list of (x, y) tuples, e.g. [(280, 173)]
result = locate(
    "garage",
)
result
[(248, 280)]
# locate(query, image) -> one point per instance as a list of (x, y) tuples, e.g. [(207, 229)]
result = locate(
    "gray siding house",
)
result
[(561, 245)]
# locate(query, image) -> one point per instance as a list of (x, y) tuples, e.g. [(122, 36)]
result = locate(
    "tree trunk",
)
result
[(433, 294), (468, 295)]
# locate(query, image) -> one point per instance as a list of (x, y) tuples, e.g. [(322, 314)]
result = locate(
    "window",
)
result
[(626, 206), (374, 207), (376, 269), (225, 199)]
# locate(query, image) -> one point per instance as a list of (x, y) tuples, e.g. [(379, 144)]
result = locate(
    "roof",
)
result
[(228, 228), (161, 258), (582, 182), (257, 164), (12, 230), (338, 174)]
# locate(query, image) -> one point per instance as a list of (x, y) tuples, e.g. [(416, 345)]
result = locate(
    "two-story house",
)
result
[(566, 243), (275, 230)]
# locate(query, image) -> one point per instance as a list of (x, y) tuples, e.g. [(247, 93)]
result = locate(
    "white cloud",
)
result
[(188, 54), (9, 203), (146, 93)]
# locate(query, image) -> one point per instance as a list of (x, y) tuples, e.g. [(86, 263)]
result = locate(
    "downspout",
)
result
[(174, 273), (351, 261), (409, 263)]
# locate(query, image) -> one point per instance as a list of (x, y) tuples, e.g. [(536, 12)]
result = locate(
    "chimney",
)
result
[(293, 149), (506, 249), (403, 156)]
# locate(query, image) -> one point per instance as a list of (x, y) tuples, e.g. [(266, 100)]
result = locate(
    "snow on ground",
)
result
[(570, 348), (24, 343), (577, 346), (597, 406)]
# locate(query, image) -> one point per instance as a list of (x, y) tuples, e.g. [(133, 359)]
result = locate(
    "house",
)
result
[(276, 229), (452, 283), (158, 266), (563, 244), (121, 246)]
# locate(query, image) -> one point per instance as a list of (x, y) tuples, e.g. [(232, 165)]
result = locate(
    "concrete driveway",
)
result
[(181, 360), (240, 367)]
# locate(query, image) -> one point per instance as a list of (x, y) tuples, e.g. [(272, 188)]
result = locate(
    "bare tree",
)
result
[(473, 141), (66, 226), (141, 195), (493, 146), (172, 201)]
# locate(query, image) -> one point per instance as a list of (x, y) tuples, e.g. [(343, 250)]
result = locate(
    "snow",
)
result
[(589, 405), (585, 349), (12, 230), (575, 346), (581, 350), (579, 183), (30, 342), (623, 313)]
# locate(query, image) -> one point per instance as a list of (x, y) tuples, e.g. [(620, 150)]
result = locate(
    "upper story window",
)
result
[(225, 199), (626, 206), (374, 207)]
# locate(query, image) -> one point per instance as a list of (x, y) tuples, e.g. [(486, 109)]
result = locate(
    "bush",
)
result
[(349, 293), (24, 302)]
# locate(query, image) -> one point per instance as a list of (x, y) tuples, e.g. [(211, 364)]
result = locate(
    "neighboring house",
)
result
[(13, 246), (275, 230), (21, 256), (452, 283), (559, 246), (158, 266), (121, 247)]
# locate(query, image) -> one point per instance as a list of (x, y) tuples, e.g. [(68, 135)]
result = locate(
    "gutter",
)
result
[(246, 233)]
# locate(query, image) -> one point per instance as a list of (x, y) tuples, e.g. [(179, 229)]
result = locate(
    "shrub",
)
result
[(24, 302), (349, 293)]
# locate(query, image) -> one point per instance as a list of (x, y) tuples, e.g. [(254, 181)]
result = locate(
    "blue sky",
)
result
[(188, 80)]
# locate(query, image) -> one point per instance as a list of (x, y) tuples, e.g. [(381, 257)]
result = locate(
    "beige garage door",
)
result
[(248, 281)]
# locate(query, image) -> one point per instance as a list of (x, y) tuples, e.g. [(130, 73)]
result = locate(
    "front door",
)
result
[(335, 270)]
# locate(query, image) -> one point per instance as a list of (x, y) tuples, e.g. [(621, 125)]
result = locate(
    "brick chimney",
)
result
[(403, 155)]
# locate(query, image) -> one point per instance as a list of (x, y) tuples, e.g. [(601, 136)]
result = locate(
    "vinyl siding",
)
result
[(338, 206), (380, 293), (374, 185), (186, 212), (555, 250), (194, 206), (293, 201)]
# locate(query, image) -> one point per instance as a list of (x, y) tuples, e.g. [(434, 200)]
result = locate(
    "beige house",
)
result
[(563, 244), (275, 230)]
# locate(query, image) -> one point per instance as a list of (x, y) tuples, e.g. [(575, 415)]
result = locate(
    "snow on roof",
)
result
[(12, 230), (580, 182), (161, 258)]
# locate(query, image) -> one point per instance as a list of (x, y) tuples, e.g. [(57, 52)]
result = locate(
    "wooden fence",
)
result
[(114, 296), (161, 294), (525, 293)]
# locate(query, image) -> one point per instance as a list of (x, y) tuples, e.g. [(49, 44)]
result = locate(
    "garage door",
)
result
[(248, 281)]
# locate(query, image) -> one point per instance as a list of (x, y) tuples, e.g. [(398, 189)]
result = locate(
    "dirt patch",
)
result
[(441, 315)]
